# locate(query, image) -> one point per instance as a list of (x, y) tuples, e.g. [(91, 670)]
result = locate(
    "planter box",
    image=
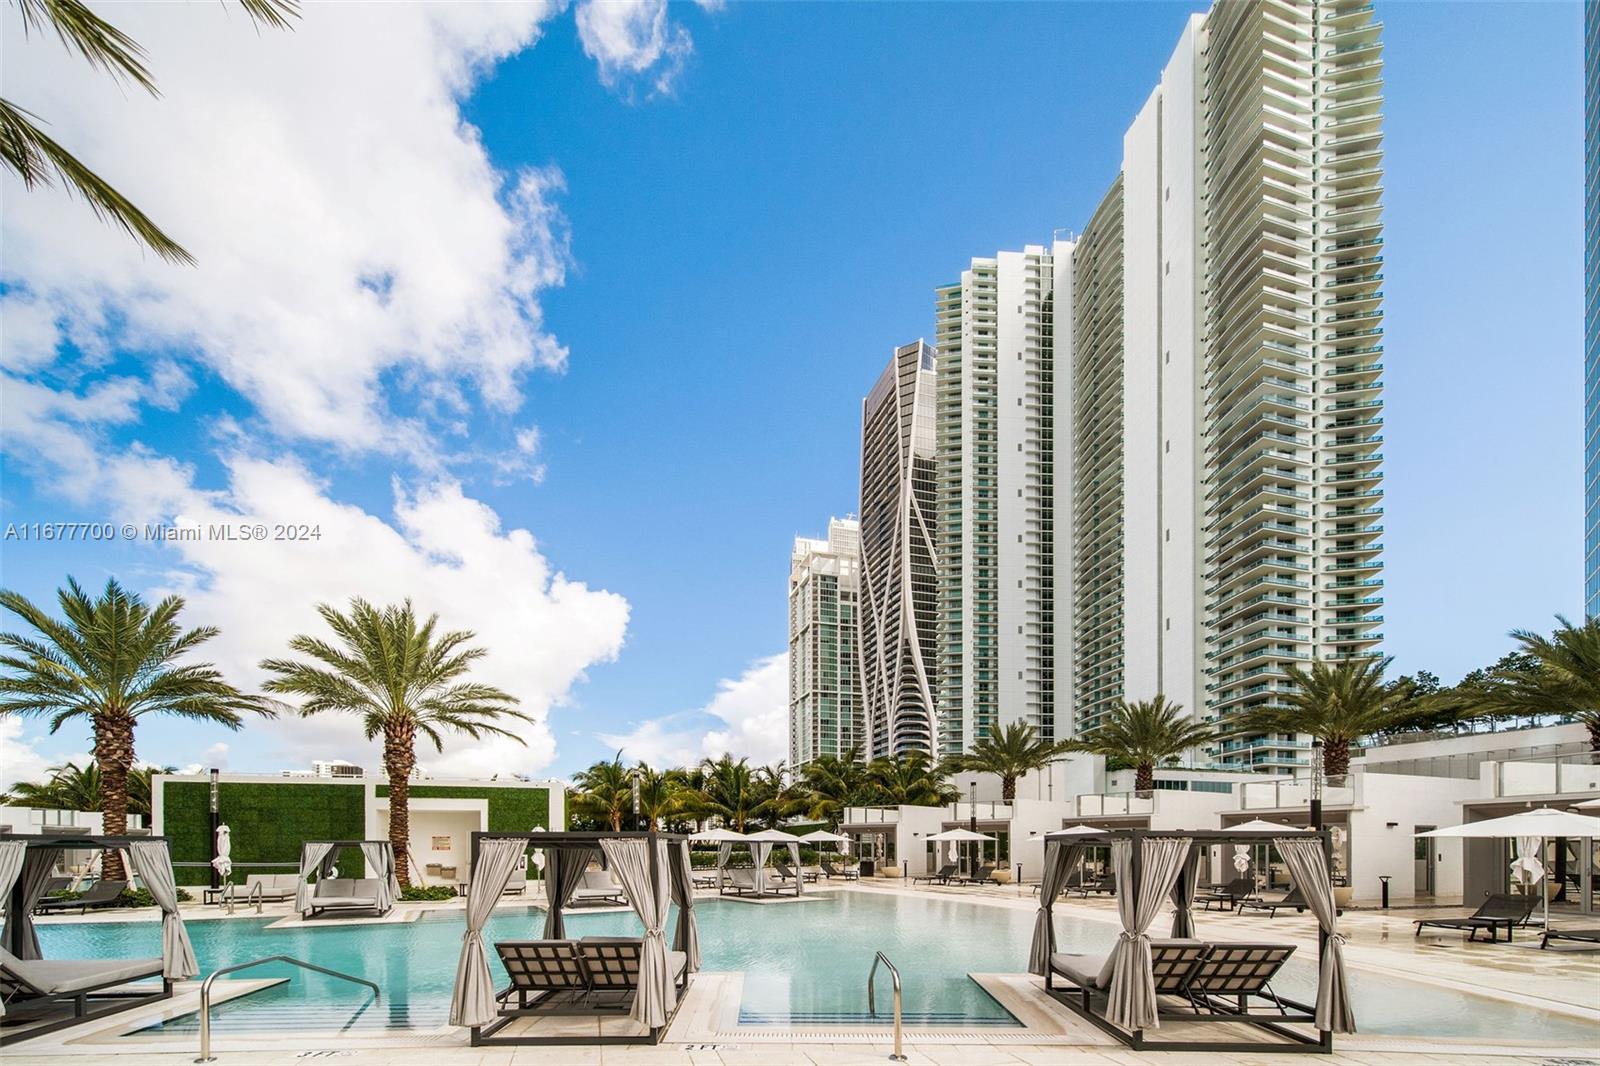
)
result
[(1342, 896), (1001, 877), (889, 871)]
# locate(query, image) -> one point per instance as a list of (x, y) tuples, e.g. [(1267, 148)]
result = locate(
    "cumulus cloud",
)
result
[(748, 717), (630, 39), (20, 759)]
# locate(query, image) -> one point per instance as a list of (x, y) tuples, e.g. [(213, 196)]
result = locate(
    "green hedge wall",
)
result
[(511, 810), (269, 823)]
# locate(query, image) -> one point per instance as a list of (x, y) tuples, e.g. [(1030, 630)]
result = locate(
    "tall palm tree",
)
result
[(35, 158), (1009, 753), (730, 790), (402, 679), (774, 797), (909, 778), (1144, 733), (1337, 702), (658, 795), (1555, 675), (603, 792), (691, 802), (113, 660), (829, 784)]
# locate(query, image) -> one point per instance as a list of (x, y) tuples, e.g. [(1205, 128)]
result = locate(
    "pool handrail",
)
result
[(872, 1007), (205, 992)]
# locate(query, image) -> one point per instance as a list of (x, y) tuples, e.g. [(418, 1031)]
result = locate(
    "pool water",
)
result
[(804, 964)]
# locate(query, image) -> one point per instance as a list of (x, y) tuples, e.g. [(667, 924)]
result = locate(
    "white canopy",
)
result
[(1539, 822), (1261, 825), (768, 836), (958, 834), (1073, 830), (716, 836), (1587, 805), (819, 836)]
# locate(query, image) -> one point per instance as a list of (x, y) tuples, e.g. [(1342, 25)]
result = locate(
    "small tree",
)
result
[(1338, 703), (908, 778), (729, 790), (1557, 676), (1144, 733), (1009, 753), (604, 793)]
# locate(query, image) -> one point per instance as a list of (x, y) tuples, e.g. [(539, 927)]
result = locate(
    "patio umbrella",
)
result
[(1587, 805), (1072, 831), (957, 837), (716, 836), (1261, 825), (822, 836), (223, 863), (1540, 822)]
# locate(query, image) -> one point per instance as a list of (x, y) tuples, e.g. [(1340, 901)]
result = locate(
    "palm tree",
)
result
[(774, 798), (1338, 703), (1555, 675), (1144, 733), (71, 787), (1009, 753), (402, 679), (658, 795), (829, 784), (909, 778), (604, 792), (730, 790), (113, 660), (37, 159)]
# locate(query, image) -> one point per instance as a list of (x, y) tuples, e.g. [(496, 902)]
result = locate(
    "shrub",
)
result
[(427, 893)]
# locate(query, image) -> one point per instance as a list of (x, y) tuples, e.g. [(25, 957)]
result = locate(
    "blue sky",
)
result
[(718, 223)]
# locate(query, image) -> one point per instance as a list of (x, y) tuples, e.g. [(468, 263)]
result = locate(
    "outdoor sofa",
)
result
[(83, 983), (99, 894), (1504, 910), (343, 895), (598, 887), (270, 888)]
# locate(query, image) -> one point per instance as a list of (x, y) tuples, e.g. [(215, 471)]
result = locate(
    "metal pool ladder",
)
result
[(872, 1007), (205, 994)]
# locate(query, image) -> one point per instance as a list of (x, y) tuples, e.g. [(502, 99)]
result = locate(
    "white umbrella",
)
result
[(1587, 805), (818, 836), (1540, 822), (959, 834), (1261, 825), (1241, 858), (223, 863), (717, 836), (1072, 831)]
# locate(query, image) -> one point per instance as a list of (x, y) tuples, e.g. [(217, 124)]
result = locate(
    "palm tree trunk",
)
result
[(399, 759), (113, 752), (1008, 788), (1593, 722), (1335, 758), (1144, 778)]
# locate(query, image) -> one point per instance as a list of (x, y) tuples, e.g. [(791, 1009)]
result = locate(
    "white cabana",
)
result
[(761, 845), (1537, 824)]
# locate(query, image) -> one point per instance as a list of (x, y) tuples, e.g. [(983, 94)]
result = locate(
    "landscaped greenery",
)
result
[(269, 821), (427, 893)]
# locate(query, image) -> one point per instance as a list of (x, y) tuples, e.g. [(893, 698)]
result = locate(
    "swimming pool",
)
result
[(804, 964)]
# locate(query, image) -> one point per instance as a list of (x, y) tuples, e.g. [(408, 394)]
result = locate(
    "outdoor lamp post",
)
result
[(636, 803), (216, 820), (1316, 784)]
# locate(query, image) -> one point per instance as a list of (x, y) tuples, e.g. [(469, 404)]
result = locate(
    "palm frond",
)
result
[(101, 44)]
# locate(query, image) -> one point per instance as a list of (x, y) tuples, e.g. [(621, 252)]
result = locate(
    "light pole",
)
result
[(1316, 785), (972, 824), (635, 803), (216, 821)]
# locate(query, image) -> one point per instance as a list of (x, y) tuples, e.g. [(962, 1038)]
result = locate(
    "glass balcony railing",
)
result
[(1548, 775)]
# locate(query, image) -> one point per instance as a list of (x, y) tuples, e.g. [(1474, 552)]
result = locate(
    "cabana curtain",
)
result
[(472, 1002), (154, 864), (563, 873), (19, 936), (632, 861), (1131, 999), (11, 853), (799, 871), (1059, 859), (380, 860), (1183, 892), (1308, 867), (312, 855), (724, 853), (686, 936)]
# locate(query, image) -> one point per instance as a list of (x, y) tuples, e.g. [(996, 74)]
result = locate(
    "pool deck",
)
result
[(707, 1032)]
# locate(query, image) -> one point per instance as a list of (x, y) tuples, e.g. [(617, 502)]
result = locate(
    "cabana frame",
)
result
[(485, 1035), (1079, 1001), (80, 999), (336, 846)]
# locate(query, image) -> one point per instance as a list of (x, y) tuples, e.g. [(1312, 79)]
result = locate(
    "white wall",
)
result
[(1409, 801), (22, 820), (456, 819)]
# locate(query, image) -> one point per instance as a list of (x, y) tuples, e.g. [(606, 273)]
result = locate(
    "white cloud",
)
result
[(753, 710), (356, 247), (633, 38), (20, 758)]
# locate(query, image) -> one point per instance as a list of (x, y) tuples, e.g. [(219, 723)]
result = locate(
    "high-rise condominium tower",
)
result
[(898, 555), (1591, 304), (1225, 345), (997, 628), (824, 662)]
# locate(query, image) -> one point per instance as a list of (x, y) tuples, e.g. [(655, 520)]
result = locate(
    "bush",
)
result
[(131, 897), (427, 893)]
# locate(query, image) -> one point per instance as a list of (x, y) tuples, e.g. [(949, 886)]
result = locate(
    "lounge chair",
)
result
[(849, 873), (785, 872), (1584, 936), (946, 872), (342, 895), (704, 878), (742, 882), (984, 876), (1073, 883), (1505, 910), (597, 887), (612, 963), (82, 982), (1106, 884), (1172, 962), (545, 975), (1229, 895), (1238, 971), (1291, 898), (597, 975), (100, 894)]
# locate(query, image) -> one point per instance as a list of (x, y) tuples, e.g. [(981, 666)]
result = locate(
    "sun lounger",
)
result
[(1505, 910), (1172, 961), (1291, 898), (849, 873), (597, 887), (704, 878), (1238, 971), (80, 982), (544, 975), (1583, 936), (1073, 883), (785, 872), (1229, 895), (942, 877), (343, 895), (597, 975), (1106, 884), (984, 876), (612, 963), (100, 894)]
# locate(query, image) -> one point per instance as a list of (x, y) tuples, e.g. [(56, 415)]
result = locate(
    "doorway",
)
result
[(1423, 855)]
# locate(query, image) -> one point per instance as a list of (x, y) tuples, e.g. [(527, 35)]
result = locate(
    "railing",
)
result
[(1536, 775), (205, 993), (871, 815), (872, 1005), (1098, 804), (1281, 792)]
